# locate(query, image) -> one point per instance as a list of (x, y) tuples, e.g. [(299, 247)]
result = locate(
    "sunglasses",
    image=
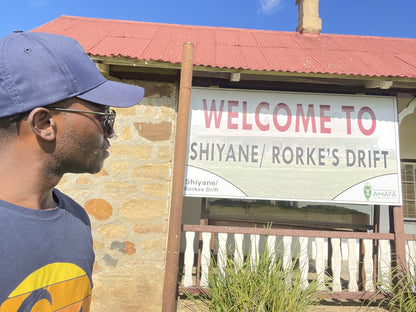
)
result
[(106, 119)]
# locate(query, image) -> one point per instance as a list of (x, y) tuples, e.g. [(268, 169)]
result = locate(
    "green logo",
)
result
[(367, 191)]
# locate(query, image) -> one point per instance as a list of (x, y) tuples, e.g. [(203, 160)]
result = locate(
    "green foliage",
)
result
[(402, 295), (259, 286)]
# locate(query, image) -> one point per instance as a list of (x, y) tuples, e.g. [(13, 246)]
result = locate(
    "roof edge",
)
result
[(125, 61)]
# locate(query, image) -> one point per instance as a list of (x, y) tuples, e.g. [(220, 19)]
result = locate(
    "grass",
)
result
[(257, 286), (402, 295)]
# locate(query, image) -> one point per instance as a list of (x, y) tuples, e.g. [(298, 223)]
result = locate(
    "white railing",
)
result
[(356, 259)]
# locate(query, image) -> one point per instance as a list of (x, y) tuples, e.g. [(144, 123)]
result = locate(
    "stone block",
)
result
[(154, 131), (140, 152), (154, 247), (169, 110), (83, 180), (119, 167), (125, 111), (126, 133), (126, 247), (120, 189), (165, 153), (98, 208), (112, 230), (144, 229), (102, 173), (151, 171), (129, 248), (156, 190), (110, 261), (98, 245), (142, 209)]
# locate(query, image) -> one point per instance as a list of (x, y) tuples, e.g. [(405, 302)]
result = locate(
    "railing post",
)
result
[(201, 222), (399, 244), (336, 260), (376, 222)]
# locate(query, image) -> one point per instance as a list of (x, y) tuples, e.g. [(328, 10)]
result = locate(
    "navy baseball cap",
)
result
[(38, 69)]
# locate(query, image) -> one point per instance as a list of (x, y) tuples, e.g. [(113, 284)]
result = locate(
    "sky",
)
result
[(386, 18)]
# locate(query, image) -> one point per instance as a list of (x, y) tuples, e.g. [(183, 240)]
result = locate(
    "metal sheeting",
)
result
[(243, 48)]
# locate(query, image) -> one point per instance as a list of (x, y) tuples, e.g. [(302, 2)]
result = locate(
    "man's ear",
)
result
[(42, 123)]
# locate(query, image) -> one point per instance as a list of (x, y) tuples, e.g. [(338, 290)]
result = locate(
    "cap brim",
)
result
[(115, 94)]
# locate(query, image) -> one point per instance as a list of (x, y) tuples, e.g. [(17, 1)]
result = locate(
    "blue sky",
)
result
[(389, 18)]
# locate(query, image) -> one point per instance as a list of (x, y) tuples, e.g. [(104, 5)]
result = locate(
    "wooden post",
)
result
[(201, 222), (399, 244), (376, 222), (170, 287)]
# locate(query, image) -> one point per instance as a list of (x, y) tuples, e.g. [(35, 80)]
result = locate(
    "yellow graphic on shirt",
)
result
[(57, 286)]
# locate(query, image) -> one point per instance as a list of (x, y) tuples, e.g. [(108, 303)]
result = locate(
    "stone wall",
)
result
[(128, 203)]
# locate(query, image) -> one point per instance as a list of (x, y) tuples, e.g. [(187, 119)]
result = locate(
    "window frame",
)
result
[(408, 185)]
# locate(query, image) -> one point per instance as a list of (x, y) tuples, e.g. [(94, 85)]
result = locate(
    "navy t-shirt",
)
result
[(46, 257)]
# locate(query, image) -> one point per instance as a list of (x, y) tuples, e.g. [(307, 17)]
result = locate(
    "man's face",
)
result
[(82, 141)]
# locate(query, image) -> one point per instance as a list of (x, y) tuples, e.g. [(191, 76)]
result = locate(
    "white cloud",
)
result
[(269, 7)]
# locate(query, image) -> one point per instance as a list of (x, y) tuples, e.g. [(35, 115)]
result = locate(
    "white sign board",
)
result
[(293, 146)]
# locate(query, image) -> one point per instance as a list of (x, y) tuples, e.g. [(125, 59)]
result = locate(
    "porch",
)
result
[(346, 264)]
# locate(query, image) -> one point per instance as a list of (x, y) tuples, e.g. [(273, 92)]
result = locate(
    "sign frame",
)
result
[(315, 128)]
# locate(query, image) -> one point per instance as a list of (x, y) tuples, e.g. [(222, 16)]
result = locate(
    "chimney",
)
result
[(308, 19)]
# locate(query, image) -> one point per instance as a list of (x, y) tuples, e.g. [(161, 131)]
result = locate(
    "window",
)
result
[(408, 189), (284, 214)]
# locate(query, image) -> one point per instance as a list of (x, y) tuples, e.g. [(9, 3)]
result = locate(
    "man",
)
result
[(55, 118)]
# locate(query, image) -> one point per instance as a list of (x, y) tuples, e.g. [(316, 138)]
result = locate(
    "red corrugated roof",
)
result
[(242, 48)]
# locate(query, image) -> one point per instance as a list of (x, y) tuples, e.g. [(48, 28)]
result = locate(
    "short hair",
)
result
[(9, 125), (8, 130)]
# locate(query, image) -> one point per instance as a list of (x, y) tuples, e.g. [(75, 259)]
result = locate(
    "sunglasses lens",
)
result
[(108, 122)]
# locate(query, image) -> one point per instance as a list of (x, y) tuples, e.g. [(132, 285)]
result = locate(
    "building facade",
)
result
[(129, 201)]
